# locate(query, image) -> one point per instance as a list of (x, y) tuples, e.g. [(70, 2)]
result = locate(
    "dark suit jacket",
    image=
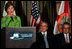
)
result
[(40, 40), (3, 37), (60, 39)]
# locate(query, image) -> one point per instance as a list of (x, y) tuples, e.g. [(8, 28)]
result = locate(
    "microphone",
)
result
[(12, 18)]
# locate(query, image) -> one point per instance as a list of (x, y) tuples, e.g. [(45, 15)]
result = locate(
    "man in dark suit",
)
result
[(44, 38), (64, 38)]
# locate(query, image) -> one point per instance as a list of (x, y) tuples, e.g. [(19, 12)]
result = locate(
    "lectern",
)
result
[(20, 37)]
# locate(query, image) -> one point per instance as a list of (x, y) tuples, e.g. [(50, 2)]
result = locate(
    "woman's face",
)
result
[(10, 9)]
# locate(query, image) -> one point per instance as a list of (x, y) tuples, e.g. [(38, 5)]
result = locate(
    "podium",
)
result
[(20, 37)]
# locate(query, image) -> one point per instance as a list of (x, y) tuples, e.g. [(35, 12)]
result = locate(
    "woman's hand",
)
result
[(12, 15)]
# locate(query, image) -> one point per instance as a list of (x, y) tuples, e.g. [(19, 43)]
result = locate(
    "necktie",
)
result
[(66, 38), (46, 41)]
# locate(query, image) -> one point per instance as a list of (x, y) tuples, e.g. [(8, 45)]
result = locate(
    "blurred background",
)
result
[(47, 9)]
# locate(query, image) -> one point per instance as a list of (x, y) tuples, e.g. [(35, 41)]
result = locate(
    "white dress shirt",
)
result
[(44, 33), (67, 36), (45, 39)]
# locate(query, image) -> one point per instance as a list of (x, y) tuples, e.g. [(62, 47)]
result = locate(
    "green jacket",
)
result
[(8, 22)]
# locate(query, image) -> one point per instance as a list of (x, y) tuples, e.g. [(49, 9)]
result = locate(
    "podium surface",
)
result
[(20, 37)]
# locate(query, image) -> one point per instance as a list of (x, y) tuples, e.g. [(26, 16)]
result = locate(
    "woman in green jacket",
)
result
[(10, 20)]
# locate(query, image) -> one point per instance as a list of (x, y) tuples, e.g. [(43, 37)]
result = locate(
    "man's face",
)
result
[(43, 27), (66, 28)]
